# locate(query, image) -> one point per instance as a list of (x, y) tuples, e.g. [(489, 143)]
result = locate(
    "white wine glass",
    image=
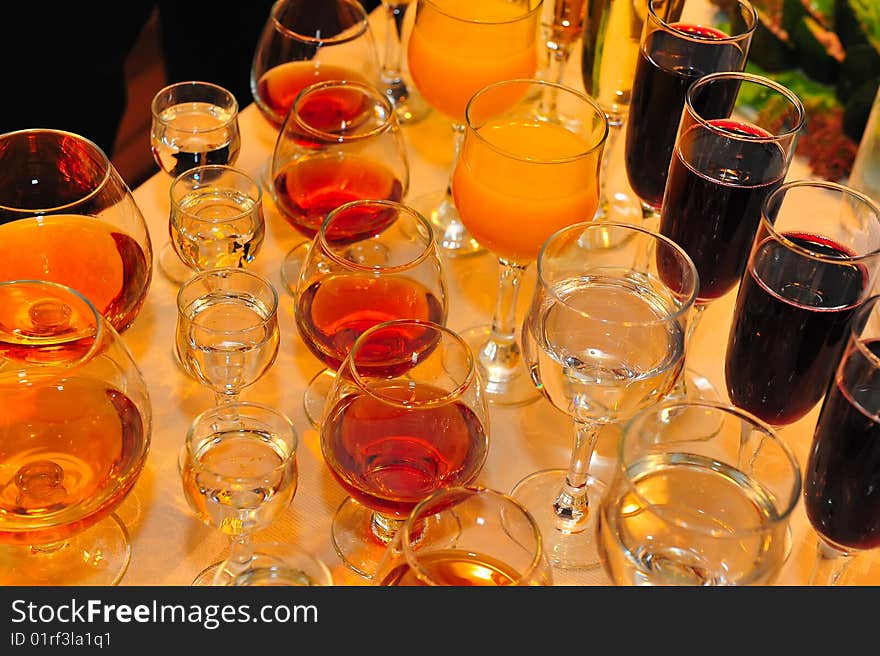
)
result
[(239, 473), (604, 338)]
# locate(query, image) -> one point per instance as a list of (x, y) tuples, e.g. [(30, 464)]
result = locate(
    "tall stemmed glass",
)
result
[(473, 44), (604, 337), (565, 27), (814, 261), (686, 509), (522, 175), (479, 537), (239, 473), (67, 216), (75, 421), (227, 330), (725, 163), (388, 268), (842, 474), (406, 416), (193, 124), (341, 142), (409, 105), (672, 55), (309, 41)]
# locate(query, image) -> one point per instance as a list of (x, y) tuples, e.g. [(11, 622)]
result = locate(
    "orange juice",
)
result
[(459, 46), (518, 181)]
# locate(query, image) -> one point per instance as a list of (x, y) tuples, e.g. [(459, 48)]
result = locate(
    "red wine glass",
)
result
[(371, 261), (842, 475), (727, 159), (672, 55), (814, 261), (406, 416)]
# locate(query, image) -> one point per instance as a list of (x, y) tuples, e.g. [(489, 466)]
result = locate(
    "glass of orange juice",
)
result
[(456, 47), (523, 174)]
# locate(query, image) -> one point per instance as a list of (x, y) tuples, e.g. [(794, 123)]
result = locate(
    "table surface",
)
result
[(170, 546)]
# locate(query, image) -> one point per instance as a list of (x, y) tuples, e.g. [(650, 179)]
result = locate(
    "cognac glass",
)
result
[(75, 420), (67, 216)]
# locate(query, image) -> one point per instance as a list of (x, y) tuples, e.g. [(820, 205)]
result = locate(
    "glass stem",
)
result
[(571, 505), (830, 566), (681, 389), (457, 141), (615, 125), (384, 527), (500, 355), (559, 55), (392, 62), (241, 553)]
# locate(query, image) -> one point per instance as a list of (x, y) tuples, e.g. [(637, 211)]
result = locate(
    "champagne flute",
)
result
[(372, 261), (522, 175), (67, 216), (75, 426), (724, 165), (842, 475), (341, 142), (216, 217), (676, 49), (807, 273), (227, 330), (473, 44), (479, 537), (409, 105), (309, 41), (604, 338), (406, 416), (193, 124), (685, 509), (239, 473)]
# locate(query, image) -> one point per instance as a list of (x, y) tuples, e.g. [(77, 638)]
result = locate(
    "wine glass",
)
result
[(684, 509), (604, 338), (521, 176), (216, 217), (309, 41), (405, 417), (341, 142), (193, 124), (841, 475), (726, 161), (278, 564), (609, 51), (479, 537), (74, 436), (227, 329), (409, 105), (672, 55), (472, 44), (67, 216), (563, 22), (372, 261), (807, 273), (239, 473)]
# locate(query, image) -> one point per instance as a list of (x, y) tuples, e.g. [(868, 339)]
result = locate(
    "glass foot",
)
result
[(693, 385), (506, 384), (409, 106), (620, 208), (291, 265), (172, 266), (567, 546), (316, 394), (453, 239), (97, 556)]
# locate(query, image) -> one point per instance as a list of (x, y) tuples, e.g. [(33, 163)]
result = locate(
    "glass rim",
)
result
[(842, 190), (217, 410), (861, 317), (538, 6), (329, 250), (227, 271), (223, 168), (361, 380), (95, 149), (583, 226), (622, 467), (760, 80), (543, 83), (417, 516), (362, 23), (388, 124), (233, 112), (749, 31)]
